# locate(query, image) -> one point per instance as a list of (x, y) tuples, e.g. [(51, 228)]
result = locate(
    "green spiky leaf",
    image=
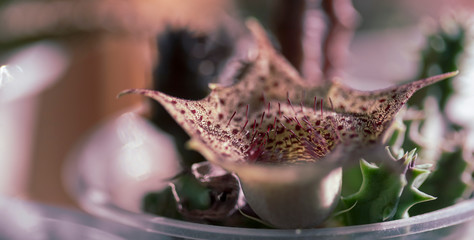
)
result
[(377, 198), (446, 182), (387, 193), (411, 194)]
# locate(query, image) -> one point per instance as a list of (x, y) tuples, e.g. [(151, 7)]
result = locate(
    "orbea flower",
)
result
[(285, 139)]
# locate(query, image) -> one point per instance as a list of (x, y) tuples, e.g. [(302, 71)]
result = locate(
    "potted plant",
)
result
[(317, 159)]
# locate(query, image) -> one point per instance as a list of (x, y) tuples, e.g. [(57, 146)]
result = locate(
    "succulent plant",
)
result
[(441, 141), (284, 138), (387, 193)]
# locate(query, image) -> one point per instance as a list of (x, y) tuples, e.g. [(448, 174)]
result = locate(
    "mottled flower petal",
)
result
[(270, 124), (272, 115), (381, 106)]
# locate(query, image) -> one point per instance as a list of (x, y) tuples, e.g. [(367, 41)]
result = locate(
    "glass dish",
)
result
[(27, 220), (105, 189)]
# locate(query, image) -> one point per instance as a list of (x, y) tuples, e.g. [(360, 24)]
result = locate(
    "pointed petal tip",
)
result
[(454, 73), (258, 32), (431, 80), (421, 83), (439, 77), (252, 23), (133, 91), (448, 74), (125, 92)]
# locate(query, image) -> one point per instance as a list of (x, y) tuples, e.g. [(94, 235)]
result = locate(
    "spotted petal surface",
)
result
[(271, 115), (271, 124)]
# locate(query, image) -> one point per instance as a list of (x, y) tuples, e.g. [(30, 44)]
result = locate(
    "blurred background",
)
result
[(63, 63)]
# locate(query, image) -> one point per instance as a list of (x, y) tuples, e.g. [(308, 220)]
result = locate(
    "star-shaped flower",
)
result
[(285, 139)]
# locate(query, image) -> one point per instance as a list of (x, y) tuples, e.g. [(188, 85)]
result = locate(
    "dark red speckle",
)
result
[(280, 130)]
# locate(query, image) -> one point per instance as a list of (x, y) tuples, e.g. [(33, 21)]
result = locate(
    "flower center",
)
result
[(286, 133)]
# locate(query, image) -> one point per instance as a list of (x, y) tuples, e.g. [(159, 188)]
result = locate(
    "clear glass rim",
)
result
[(97, 202), (449, 216)]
